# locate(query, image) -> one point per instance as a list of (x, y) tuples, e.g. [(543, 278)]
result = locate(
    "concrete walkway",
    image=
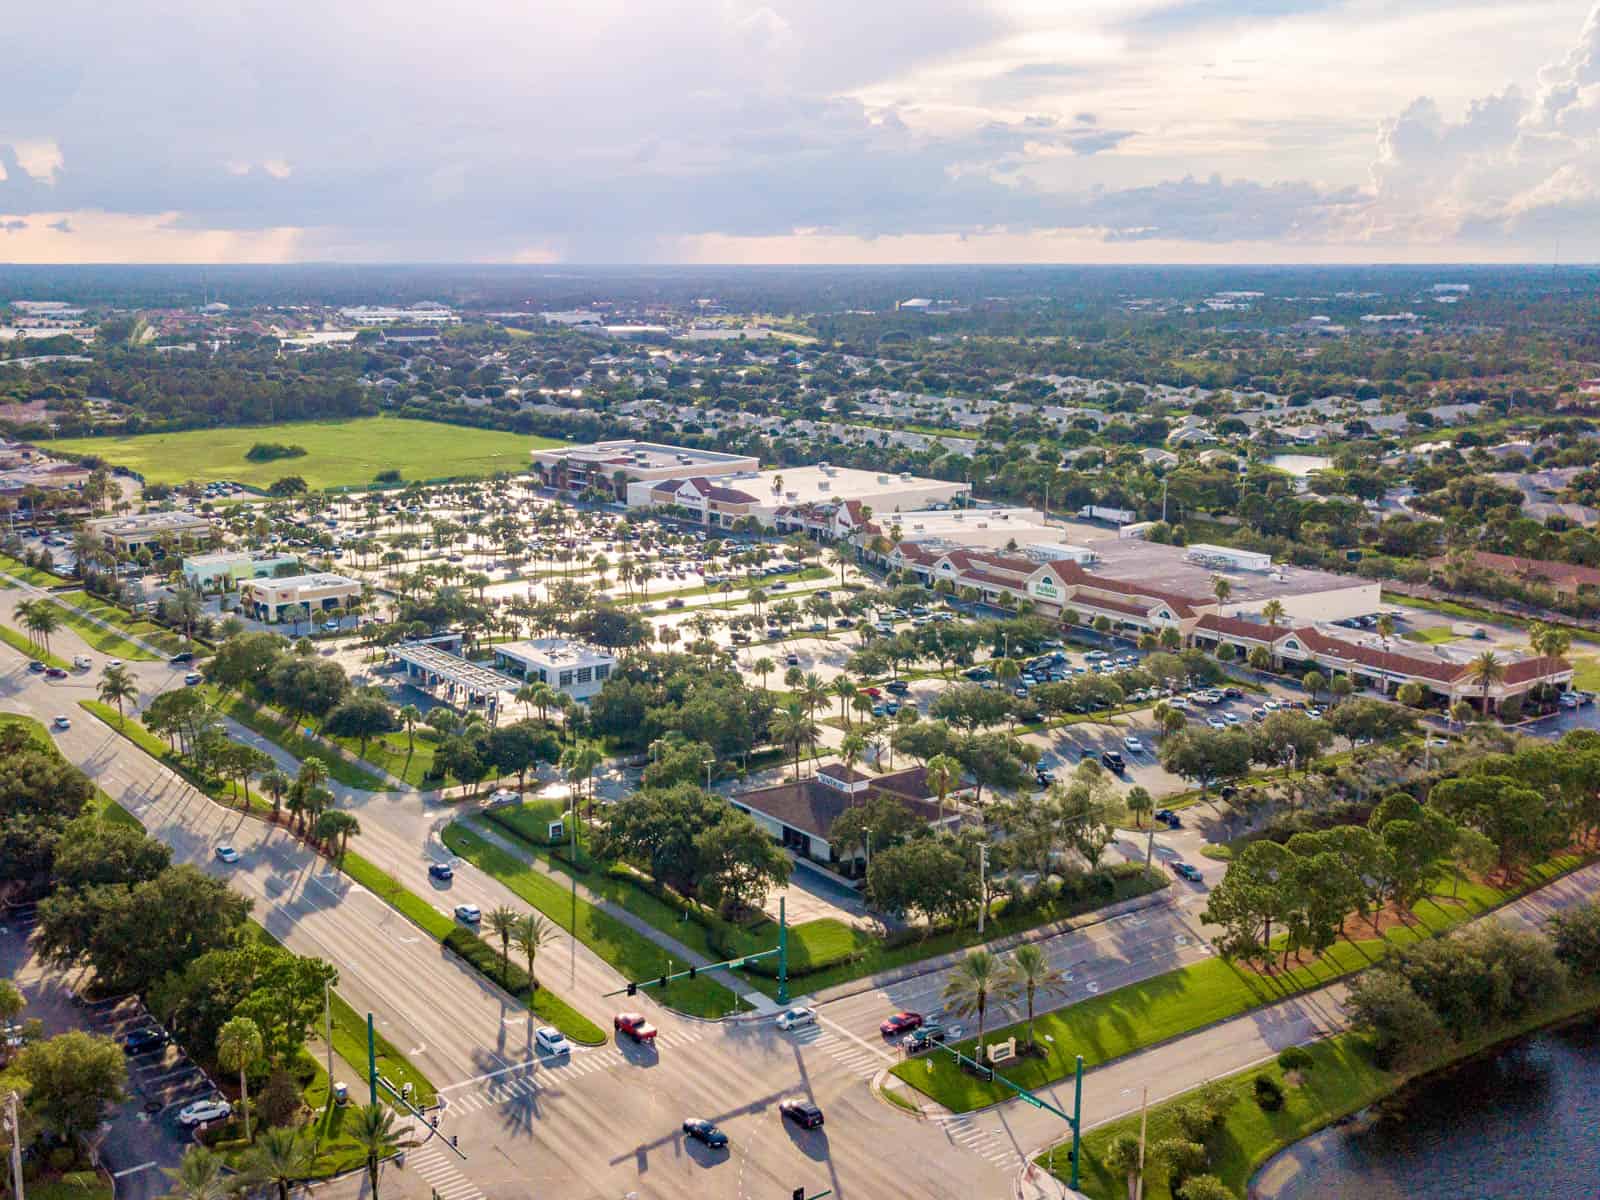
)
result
[(676, 949)]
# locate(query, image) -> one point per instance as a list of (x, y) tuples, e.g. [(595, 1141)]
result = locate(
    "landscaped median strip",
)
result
[(1166, 1006), (22, 644), (472, 949), (135, 730), (632, 954), (290, 737)]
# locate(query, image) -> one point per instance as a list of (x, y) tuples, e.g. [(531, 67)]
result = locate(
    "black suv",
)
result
[(1113, 762), (142, 1041), (184, 656), (802, 1112), (925, 1038)]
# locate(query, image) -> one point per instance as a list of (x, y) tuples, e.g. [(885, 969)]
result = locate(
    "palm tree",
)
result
[(334, 829), (1032, 973), (313, 773), (118, 687), (845, 690), (239, 1047), (198, 1176), (1486, 670), (1221, 589), (531, 934), (1386, 629), (1272, 611), (503, 921), (580, 762), (41, 620), (375, 1135), (813, 692), (281, 1157), (763, 667), (409, 716), (792, 729), (977, 979), (275, 783), (943, 775), (851, 748)]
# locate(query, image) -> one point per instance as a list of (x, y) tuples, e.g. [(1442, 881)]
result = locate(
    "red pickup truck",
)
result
[(635, 1026)]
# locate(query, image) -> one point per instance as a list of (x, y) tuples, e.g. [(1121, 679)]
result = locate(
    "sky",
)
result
[(811, 131)]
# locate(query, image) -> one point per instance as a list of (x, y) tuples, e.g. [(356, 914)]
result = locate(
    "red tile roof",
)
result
[(1560, 575)]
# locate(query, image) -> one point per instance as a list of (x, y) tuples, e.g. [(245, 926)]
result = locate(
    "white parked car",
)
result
[(1216, 722), (468, 914), (83, 662), (201, 1111), (796, 1018), (227, 854), (503, 796), (62, 722), (550, 1040), (1133, 745)]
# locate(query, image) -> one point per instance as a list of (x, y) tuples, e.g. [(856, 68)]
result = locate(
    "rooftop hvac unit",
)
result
[(883, 479), (822, 485)]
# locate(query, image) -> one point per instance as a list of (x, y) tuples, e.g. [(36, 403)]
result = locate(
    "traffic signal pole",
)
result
[(783, 950), (987, 1073)]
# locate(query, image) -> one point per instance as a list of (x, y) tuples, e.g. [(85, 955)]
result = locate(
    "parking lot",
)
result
[(143, 1135)]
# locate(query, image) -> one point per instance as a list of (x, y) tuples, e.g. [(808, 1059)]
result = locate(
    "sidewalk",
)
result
[(639, 925)]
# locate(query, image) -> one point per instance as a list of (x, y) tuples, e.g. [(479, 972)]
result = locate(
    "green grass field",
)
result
[(1114, 1024), (161, 638), (21, 570), (24, 645), (631, 953), (338, 453)]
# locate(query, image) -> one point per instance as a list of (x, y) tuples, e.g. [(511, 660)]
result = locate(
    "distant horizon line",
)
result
[(1424, 264)]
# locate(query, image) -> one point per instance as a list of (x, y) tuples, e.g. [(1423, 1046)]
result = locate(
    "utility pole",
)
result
[(1150, 844), (1163, 499), (983, 867), (14, 1128)]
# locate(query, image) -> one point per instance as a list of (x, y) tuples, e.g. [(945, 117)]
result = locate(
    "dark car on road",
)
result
[(184, 656), (1169, 818), (705, 1133), (142, 1041), (802, 1112), (900, 1022), (441, 871), (898, 686), (930, 1035), (1113, 762), (1184, 870)]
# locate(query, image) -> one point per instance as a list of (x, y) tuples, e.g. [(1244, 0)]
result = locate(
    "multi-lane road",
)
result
[(605, 1122)]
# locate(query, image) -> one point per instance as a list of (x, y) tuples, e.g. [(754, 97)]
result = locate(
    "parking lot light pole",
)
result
[(372, 1059), (783, 950)]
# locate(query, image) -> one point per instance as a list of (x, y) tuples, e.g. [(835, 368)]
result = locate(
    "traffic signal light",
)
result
[(633, 989), (662, 982), (986, 1074), (692, 970), (798, 1194)]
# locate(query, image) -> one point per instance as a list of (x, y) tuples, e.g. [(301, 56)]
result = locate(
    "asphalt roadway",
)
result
[(605, 1122)]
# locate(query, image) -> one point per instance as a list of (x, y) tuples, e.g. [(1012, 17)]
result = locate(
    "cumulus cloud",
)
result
[(64, 225), (13, 225), (531, 133), (1515, 165)]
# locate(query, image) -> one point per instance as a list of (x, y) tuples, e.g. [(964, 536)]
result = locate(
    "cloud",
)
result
[(1516, 165), (62, 226), (14, 225), (379, 129)]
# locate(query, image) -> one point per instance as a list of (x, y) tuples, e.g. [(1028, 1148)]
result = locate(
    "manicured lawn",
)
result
[(163, 639), (822, 953), (390, 753), (292, 738), (1586, 674), (338, 453), (1433, 635), (74, 1185), (631, 953), (740, 590), (439, 926), (1342, 1079), (30, 649), (18, 569), (1117, 1023), (350, 1044), (98, 637)]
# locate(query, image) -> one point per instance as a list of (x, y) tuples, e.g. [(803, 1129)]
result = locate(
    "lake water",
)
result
[(1524, 1123), (1300, 464)]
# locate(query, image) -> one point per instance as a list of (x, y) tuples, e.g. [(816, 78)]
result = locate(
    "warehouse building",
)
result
[(136, 531)]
